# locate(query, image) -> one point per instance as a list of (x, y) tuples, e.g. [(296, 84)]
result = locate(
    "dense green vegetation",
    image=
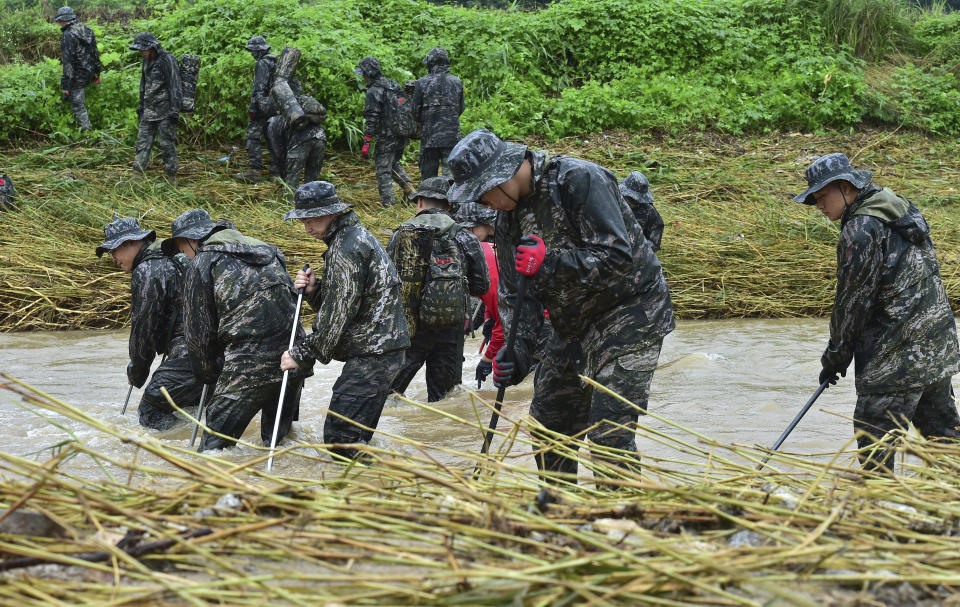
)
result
[(576, 66)]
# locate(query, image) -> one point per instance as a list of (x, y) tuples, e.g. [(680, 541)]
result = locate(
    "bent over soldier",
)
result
[(156, 322), (160, 100), (891, 316), (359, 317), (564, 225), (262, 106), (239, 307), (81, 62), (437, 105)]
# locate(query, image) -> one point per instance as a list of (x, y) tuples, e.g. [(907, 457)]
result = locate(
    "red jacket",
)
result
[(489, 300)]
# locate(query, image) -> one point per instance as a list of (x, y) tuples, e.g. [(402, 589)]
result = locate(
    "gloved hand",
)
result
[(66, 96), (503, 369), (174, 118), (252, 114), (488, 330), (365, 149), (832, 375), (137, 377), (530, 254), (484, 368), (96, 80)]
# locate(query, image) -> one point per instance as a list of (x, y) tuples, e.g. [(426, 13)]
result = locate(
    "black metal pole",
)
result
[(796, 420)]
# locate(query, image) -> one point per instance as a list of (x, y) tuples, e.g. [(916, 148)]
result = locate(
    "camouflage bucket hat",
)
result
[(144, 41), (120, 230), (635, 186), (472, 214), (437, 56), (257, 43), (433, 187), (65, 13), (369, 67), (481, 162), (316, 199), (194, 224), (827, 169)]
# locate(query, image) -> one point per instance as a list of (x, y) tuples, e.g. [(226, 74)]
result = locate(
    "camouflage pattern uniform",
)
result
[(81, 62), (262, 106), (600, 282), (239, 305), (442, 351), (359, 319), (7, 193), (437, 105), (389, 146), (159, 106), (891, 315), (305, 146), (635, 189)]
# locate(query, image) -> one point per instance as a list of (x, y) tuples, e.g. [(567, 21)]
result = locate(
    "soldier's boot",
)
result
[(408, 189), (84, 119), (386, 194), (251, 175), (170, 178)]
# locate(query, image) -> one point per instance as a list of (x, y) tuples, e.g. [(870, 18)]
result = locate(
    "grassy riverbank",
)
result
[(734, 244)]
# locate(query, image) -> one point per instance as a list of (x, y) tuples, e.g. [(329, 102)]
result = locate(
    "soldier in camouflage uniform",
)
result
[(262, 105), (359, 317), (891, 316), (156, 324), (592, 269), (305, 145), (635, 189), (159, 106), (390, 146), (441, 349), (81, 62), (437, 105), (239, 304)]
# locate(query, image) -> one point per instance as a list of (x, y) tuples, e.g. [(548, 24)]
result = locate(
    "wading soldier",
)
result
[(437, 105), (81, 62), (239, 305), (636, 191), (891, 316), (262, 106), (480, 221), (156, 323), (564, 224), (453, 266), (377, 115), (159, 106), (359, 317)]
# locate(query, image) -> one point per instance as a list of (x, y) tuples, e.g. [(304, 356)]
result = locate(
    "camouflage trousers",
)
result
[(567, 407), (79, 108), (164, 132), (931, 409), (230, 413), (386, 161), (432, 161), (256, 132), (154, 411), (442, 352), (357, 400), (304, 159)]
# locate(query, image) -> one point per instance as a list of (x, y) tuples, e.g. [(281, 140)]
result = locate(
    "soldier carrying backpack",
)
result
[(439, 263), (81, 62)]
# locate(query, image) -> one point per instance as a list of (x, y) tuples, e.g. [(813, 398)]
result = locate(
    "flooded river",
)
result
[(735, 381)]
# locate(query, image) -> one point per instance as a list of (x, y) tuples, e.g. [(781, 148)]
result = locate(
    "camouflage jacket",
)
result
[(358, 301), (375, 108), (79, 56), (156, 325), (650, 221), (160, 93), (239, 303), (891, 315), (261, 103), (600, 280), (437, 105)]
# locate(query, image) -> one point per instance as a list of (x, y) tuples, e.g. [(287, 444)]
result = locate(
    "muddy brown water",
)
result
[(737, 381)]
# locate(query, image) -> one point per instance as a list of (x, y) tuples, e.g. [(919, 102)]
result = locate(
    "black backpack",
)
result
[(399, 111)]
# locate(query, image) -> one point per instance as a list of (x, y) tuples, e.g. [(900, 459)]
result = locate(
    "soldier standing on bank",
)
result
[(359, 317), (389, 145), (437, 105), (156, 322), (455, 268), (239, 305), (262, 106), (891, 315), (563, 223), (305, 143), (635, 189), (81, 62), (159, 106)]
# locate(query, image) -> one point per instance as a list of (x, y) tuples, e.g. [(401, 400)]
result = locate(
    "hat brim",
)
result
[(112, 244), (858, 179), (332, 209), (258, 47), (511, 156)]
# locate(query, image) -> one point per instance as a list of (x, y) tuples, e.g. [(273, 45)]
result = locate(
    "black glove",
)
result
[(173, 118), (66, 97), (503, 370), (484, 368), (832, 375), (488, 330), (137, 376)]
